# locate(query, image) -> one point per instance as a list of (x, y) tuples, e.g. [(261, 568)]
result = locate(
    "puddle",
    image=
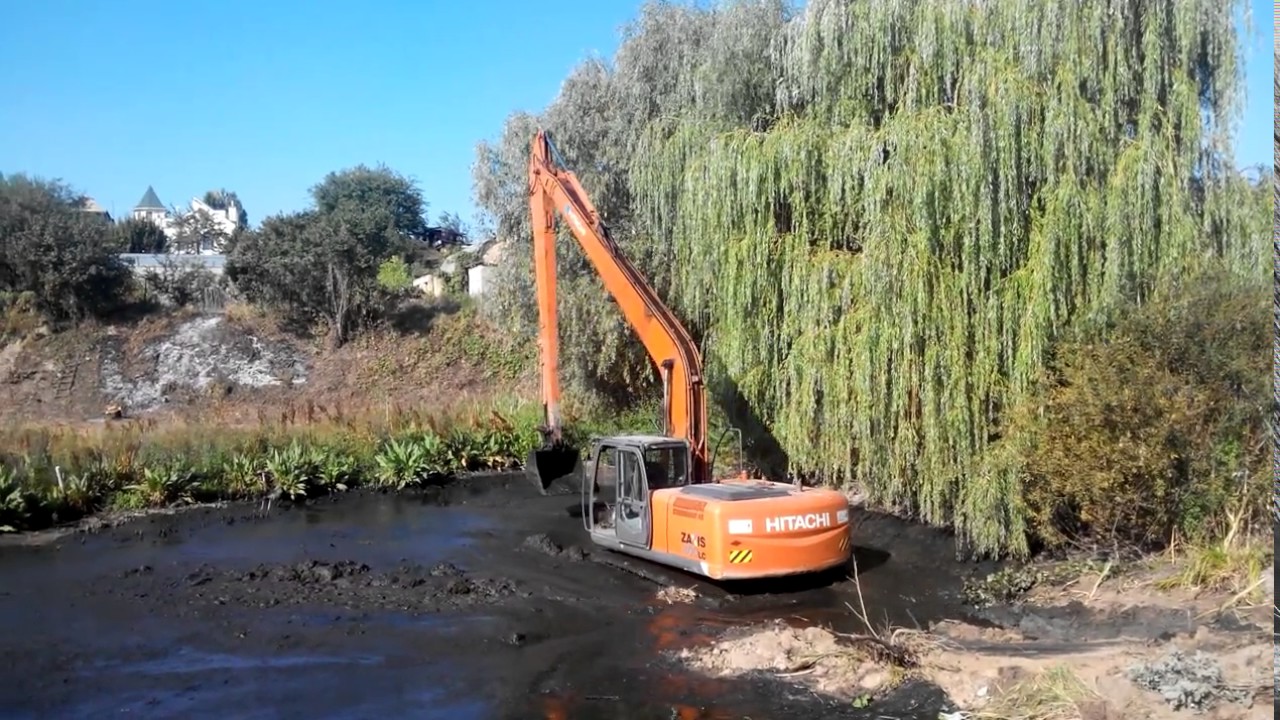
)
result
[(190, 660), (228, 686), (386, 529)]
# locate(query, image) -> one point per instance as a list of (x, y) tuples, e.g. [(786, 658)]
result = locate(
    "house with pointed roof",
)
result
[(202, 230), (150, 208)]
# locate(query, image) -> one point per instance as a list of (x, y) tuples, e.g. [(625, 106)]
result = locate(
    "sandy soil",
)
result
[(1054, 655)]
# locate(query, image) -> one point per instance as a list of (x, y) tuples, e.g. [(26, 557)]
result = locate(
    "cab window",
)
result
[(629, 477), (666, 467)]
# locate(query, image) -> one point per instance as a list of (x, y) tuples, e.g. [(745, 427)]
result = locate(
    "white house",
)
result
[(214, 224), (431, 285), (478, 276)]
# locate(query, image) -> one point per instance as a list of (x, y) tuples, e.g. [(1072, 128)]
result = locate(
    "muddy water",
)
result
[(433, 606)]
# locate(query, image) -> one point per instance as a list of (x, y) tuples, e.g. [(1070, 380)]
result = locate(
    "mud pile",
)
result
[(349, 584), (542, 543), (815, 657), (1187, 681)]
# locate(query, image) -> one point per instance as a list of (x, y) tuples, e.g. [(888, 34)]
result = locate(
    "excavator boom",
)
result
[(652, 496), (554, 189)]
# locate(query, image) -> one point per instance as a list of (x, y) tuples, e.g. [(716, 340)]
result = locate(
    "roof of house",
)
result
[(149, 201), (88, 204)]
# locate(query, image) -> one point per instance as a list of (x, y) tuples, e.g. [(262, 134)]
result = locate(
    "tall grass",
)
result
[(56, 474)]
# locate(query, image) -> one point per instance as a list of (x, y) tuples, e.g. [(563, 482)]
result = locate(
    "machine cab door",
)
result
[(633, 517)]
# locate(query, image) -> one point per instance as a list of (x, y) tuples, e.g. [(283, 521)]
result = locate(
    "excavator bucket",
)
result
[(550, 463)]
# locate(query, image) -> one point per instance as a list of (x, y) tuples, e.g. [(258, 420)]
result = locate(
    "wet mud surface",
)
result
[(475, 600)]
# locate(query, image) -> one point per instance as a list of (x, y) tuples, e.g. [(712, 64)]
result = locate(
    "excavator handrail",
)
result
[(553, 188)]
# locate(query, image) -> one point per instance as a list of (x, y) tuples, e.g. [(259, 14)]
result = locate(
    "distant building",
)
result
[(89, 205), (211, 226), (444, 237), (150, 208), (226, 219), (479, 275)]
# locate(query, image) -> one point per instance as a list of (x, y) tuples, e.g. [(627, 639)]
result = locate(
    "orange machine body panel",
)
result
[(737, 529)]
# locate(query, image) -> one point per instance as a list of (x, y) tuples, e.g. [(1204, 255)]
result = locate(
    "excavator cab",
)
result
[(619, 477)]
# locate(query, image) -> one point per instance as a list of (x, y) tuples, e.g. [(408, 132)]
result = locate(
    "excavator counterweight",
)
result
[(654, 496)]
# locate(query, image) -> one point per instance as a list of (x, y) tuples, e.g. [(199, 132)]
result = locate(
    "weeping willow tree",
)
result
[(950, 185), (674, 60), (879, 217)]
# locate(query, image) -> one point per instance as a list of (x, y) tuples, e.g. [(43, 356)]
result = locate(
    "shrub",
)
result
[(393, 275), (182, 284), (1153, 423), (18, 314), (63, 258)]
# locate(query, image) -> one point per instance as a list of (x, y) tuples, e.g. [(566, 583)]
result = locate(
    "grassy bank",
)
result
[(54, 475)]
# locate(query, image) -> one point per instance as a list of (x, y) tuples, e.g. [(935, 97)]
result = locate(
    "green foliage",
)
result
[(324, 263), (139, 236), (49, 476), (184, 284), (462, 338), (393, 275), (407, 461), (373, 202), (879, 218), (64, 257), (1153, 426), (163, 485)]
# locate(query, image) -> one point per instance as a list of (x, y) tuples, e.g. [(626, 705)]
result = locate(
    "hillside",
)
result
[(241, 366)]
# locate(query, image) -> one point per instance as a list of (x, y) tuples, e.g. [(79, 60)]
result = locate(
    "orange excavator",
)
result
[(654, 496)]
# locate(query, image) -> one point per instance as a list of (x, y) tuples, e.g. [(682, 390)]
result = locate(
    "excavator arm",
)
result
[(552, 189)]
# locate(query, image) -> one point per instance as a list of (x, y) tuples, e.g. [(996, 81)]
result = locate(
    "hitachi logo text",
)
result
[(788, 523)]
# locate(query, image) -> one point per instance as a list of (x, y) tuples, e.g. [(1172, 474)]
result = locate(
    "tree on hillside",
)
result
[(312, 265), (62, 257), (135, 235), (323, 263), (373, 200), (880, 217)]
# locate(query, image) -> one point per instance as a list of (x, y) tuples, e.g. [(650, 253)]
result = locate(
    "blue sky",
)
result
[(264, 98)]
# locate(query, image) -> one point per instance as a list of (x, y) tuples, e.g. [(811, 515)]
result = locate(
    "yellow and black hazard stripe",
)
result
[(737, 557)]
